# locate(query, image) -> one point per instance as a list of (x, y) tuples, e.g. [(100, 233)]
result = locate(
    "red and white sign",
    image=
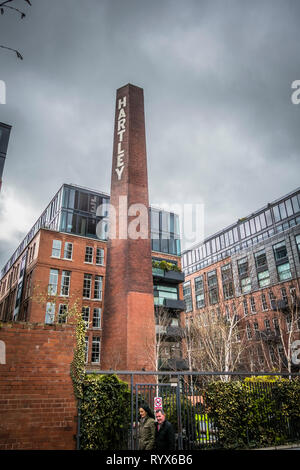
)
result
[(157, 403)]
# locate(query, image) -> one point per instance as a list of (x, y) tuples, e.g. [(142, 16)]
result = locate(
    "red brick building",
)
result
[(252, 270)]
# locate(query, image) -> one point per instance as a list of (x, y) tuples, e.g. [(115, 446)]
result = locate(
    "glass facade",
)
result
[(79, 211), (165, 233), (274, 218)]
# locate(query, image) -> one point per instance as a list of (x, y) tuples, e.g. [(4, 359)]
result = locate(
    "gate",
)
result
[(184, 407)]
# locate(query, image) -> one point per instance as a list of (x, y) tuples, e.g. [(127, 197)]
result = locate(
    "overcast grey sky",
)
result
[(221, 127)]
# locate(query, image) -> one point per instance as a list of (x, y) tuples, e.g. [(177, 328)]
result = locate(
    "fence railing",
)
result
[(184, 400)]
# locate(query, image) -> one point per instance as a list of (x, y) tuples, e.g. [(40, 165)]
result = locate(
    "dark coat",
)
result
[(164, 437), (146, 434)]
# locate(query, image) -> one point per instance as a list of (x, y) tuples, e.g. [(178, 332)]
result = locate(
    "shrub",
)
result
[(255, 413), (105, 413)]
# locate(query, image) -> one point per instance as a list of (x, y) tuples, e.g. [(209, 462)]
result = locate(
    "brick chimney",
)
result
[(128, 319)]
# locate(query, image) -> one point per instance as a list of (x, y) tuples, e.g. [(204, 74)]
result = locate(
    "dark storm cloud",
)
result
[(221, 128)]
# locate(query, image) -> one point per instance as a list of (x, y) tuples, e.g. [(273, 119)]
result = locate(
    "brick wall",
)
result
[(37, 404)]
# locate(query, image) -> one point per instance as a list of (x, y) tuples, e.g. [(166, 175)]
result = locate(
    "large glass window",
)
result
[(280, 251), (213, 291), (263, 278), (96, 349), (97, 318), (264, 302), (199, 292), (87, 283), (65, 283), (62, 313), (56, 248), (100, 256), (53, 279), (187, 294), (284, 271), (245, 285), (86, 315), (50, 313), (295, 203), (260, 259), (88, 254), (227, 281), (98, 288), (68, 250)]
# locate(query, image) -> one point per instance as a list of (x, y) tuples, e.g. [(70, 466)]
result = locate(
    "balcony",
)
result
[(174, 277), (173, 364), (171, 331), (163, 302), (174, 304)]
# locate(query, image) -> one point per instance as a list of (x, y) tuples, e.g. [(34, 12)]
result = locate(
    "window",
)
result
[(280, 251), (243, 266), (256, 330), (62, 313), (260, 259), (100, 256), (252, 305), (249, 332), (276, 325), (187, 294), (263, 278), (50, 313), (267, 326), (53, 278), (213, 291), (245, 285), (98, 288), (264, 302), (245, 305), (162, 293), (96, 349), (97, 318), (284, 271), (297, 238), (68, 250), (87, 283), (199, 292), (284, 294), (88, 254), (65, 283), (86, 315), (56, 248), (227, 281)]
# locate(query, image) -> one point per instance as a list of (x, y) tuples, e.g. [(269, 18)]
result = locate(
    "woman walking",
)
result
[(146, 428)]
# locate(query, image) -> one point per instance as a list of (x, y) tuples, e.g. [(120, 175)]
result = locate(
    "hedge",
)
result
[(254, 413)]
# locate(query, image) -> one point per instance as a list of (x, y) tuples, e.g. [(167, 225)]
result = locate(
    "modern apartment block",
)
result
[(251, 269), (4, 138)]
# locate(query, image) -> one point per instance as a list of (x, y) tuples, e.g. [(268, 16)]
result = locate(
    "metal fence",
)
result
[(182, 395)]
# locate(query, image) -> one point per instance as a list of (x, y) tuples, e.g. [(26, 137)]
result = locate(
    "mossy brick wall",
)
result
[(38, 408)]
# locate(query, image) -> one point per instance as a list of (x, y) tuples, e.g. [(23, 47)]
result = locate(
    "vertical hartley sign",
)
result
[(121, 128)]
